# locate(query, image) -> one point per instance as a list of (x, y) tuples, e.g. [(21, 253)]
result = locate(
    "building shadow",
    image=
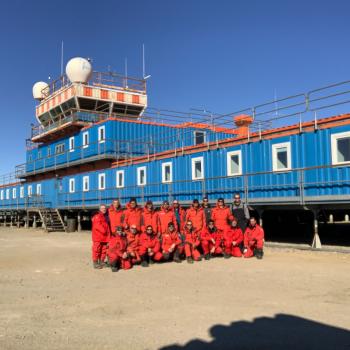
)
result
[(285, 332)]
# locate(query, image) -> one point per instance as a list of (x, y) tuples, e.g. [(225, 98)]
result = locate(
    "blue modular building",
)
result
[(97, 141)]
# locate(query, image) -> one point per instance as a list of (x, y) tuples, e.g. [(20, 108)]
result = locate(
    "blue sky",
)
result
[(221, 55)]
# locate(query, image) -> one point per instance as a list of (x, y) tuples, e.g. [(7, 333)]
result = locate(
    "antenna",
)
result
[(126, 72), (62, 58), (144, 64)]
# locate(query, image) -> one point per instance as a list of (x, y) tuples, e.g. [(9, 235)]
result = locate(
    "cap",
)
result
[(149, 202), (171, 224), (195, 201)]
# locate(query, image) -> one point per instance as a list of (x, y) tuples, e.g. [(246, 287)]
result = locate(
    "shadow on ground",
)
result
[(280, 332)]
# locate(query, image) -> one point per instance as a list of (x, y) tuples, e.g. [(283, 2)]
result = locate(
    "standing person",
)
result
[(195, 214), (149, 247), (206, 209), (180, 214), (253, 240), (240, 211), (150, 217), (233, 238), (116, 215), (211, 240), (132, 215), (221, 215), (133, 249), (166, 215), (117, 251), (171, 244), (100, 237), (192, 243)]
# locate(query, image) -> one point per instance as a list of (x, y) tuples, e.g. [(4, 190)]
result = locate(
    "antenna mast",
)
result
[(62, 58)]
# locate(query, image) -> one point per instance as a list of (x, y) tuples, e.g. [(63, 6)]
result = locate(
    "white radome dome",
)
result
[(38, 88), (78, 70)]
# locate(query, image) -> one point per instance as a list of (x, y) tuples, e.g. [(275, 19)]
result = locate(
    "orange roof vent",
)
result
[(242, 122)]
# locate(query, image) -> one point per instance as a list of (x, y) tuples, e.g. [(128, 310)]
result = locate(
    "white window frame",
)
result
[(195, 137), (71, 188), (30, 190), (139, 169), (164, 165), (228, 160), (86, 181), (100, 139), (193, 162), (71, 144), (14, 193), (120, 172), (7, 193), (275, 147), (85, 145), (334, 149), (38, 189), (21, 192), (100, 176), (2, 195)]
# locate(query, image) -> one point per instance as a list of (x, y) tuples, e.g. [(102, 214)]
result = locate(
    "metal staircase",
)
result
[(52, 220)]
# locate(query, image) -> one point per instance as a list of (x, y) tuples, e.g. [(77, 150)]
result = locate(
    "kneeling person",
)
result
[(117, 251), (233, 237), (171, 244), (211, 240), (149, 247), (253, 240)]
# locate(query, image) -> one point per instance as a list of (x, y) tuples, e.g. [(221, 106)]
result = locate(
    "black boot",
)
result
[(189, 260), (114, 266), (207, 257), (227, 256), (144, 261), (177, 257), (259, 253), (96, 265)]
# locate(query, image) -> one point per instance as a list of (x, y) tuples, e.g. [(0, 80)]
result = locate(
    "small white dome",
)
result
[(78, 70), (38, 92)]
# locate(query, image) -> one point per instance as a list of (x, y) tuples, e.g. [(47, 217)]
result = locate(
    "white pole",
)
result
[(143, 61), (62, 58)]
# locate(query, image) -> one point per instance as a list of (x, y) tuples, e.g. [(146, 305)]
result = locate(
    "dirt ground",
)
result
[(51, 298)]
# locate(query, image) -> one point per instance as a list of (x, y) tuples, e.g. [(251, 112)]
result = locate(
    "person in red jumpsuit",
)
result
[(117, 251), (192, 243), (211, 240), (116, 215), (133, 249), (166, 215), (171, 244), (132, 214), (100, 237), (221, 215), (149, 247), (196, 215), (253, 240), (149, 217), (233, 237)]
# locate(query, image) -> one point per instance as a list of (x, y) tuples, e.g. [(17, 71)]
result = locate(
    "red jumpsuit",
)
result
[(116, 249), (132, 216), (253, 239), (150, 242), (197, 217), (133, 246), (150, 217), (221, 217), (100, 237), (170, 238), (116, 217), (166, 216), (207, 238), (192, 242), (233, 234)]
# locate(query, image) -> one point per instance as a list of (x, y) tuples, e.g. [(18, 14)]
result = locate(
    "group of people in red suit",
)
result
[(143, 236)]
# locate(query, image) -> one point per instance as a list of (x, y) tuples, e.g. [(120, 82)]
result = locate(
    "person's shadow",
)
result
[(281, 332)]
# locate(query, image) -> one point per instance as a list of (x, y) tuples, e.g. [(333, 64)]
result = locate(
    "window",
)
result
[(85, 139), (101, 181), (281, 157), (2, 195), (71, 185), (59, 149), (30, 158), (197, 168), (14, 193), (30, 191), (86, 184), (71, 144), (234, 163), (340, 144), (141, 176), (120, 178), (21, 192), (38, 189), (167, 172), (101, 134), (199, 137), (8, 193), (49, 152)]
